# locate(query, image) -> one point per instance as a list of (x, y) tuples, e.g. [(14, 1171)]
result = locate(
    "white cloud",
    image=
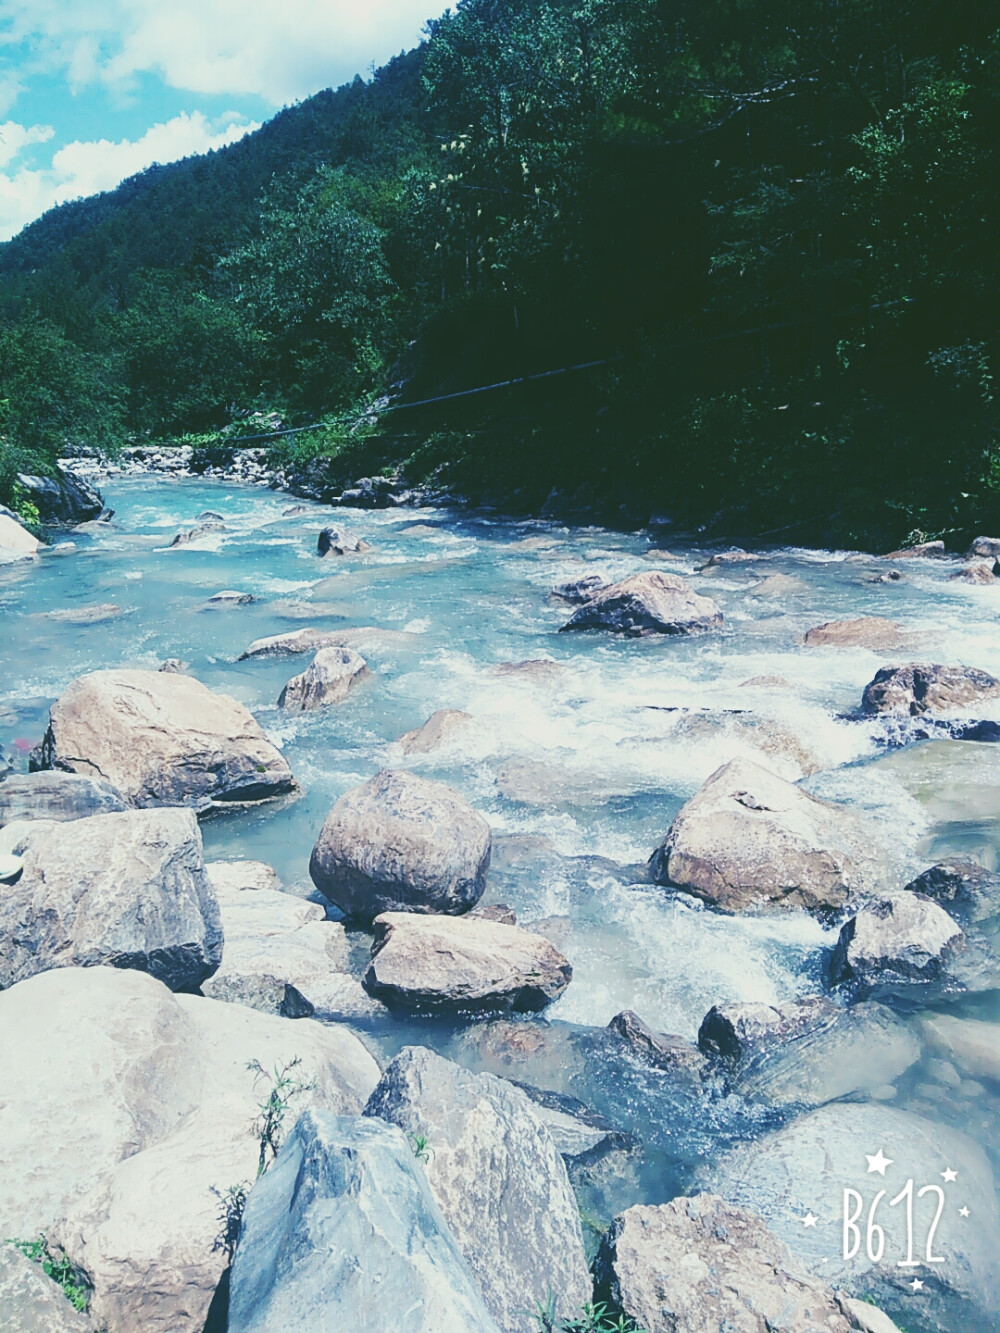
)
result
[(277, 52), (82, 168)]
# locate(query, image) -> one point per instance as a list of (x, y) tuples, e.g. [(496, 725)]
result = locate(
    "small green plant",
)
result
[(232, 1202), (60, 1268), (418, 1142), (269, 1124), (592, 1318)]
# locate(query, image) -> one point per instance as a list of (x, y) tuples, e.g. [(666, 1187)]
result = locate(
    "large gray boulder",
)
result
[(343, 1233), (435, 964), (122, 1105), (55, 795), (16, 542), (806, 1167), (162, 739), (647, 603), (984, 547), (920, 688), (497, 1178), (872, 632), (128, 890), (700, 1265), (749, 837), (438, 730), (63, 497), (306, 640), (30, 1302), (401, 843), (327, 680), (966, 890), (903, 936)]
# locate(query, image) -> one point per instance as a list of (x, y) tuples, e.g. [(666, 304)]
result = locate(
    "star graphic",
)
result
[(878, 1162), (963, 1212), (917, 1285), (809, 1220), (949, 1175)]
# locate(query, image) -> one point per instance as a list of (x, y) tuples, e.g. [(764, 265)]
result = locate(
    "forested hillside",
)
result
[(773, 223)]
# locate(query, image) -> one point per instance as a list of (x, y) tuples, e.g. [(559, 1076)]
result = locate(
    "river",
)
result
[(579, 766)]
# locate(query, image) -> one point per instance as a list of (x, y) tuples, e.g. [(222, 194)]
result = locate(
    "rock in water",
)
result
[(401, 843), (580, 590), (162, 739), (984, 547), (57, 796), (433, 964), (327, 680), (333, 542), (30, 1302), (439, 728), (648, 603), (127, 890), (343, 1234), (968, 892), (748, 836), (976, 573), (927, 688), (806, 1167), (921, 549), (15, 540), (497, 1178), (64, 498), (872, 632), (307, 640), (699, 1265), (900, 936)]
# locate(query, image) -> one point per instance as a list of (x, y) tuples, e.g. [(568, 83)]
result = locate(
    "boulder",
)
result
[(162, 739), (748, 836), (767, 739), (85, 615), (902, 936), (16, 542), (327, 680), (700, 1265), (920, 549), (401, 843), (230, 597), (927, 688), (431, 963), (307, 640), (55, 795), (778, 585), (535, 671), (967, 892), (662, 1050), (973, 1045), (332, 542), (30, 1302), (581, 589), (648, 603), (976, 573), (734, 1032), (342, 1233), (195, 534), (126, 890), (805, 1167), (438, 730), (736, 556), (865, 1316), (984, 547), (498, 1179), (63, 498), (280, 951), (871, 632)]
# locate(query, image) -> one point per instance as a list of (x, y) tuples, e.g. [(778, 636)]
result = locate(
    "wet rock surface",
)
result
[(329, 678), (920, 688), (58, 796), (652, 603)]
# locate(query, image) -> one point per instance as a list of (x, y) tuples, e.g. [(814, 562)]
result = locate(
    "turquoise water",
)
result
[(579, 767)]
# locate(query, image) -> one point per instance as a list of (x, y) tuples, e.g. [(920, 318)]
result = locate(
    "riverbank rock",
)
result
[(432, 963), (16, 542), (698, 1265), (921, 549), (162, 739), (327, 680), (648, 603), (579, 590), (280, 952), (401, 843), (62, 498), (125, 890), (31, 1302), (984, 548), (748, 837), (900, 936), (55, 795), (333, 542), (927, 688), (872, 632), (307, 640), (805, 1168), (342, 1233), (497, 1178), (438, 730)]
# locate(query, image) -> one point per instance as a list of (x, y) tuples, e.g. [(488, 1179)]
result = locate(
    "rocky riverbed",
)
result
[(547, 915)]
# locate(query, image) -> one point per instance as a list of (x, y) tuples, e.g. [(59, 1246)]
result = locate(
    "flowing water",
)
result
[(579, 765)]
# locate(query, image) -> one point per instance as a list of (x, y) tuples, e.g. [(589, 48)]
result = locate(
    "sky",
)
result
[(92, 91)]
